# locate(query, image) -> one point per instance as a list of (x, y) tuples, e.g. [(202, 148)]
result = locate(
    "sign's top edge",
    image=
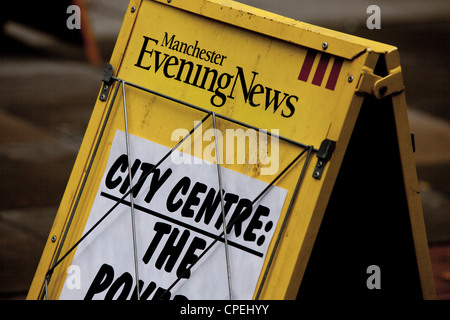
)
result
[(283, 28)]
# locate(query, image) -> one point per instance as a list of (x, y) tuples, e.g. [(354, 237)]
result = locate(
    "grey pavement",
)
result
[(49, 89)]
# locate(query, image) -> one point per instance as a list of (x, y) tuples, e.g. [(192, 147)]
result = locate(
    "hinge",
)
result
[(107, 77), (323, 156), (378, 86)]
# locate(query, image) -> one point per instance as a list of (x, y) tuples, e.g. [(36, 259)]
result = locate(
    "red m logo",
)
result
[(321, 69)]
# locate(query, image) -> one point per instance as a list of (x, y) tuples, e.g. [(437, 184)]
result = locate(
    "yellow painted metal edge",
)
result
[(276, 26), (61, 221), (412, 187), (413, 199)]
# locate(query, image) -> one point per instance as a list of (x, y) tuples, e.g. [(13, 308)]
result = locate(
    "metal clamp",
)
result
[(323, 156), (380, 87), (107, 81)]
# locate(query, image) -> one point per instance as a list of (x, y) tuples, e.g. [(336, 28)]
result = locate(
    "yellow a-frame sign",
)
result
[(260, 158)]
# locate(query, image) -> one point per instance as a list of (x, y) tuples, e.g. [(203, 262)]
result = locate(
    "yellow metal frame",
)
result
[(360, 57)]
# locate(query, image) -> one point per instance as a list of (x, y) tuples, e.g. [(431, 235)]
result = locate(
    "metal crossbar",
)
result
[(133, 220), (307, 149), (224, 223)]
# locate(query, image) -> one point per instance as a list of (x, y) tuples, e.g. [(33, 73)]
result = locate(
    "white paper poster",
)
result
[(178, 215)]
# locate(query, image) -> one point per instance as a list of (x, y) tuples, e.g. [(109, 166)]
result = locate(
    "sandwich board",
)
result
[(236, 154)]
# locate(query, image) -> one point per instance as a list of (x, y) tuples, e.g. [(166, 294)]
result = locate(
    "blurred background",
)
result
[(50, 76)]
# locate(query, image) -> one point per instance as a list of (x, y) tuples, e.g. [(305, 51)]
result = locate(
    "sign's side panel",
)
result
[(351, 226), (412, 189)]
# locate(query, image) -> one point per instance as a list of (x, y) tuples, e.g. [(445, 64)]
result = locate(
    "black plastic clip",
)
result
[(107, 77), (413, 141), (323, 156)]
